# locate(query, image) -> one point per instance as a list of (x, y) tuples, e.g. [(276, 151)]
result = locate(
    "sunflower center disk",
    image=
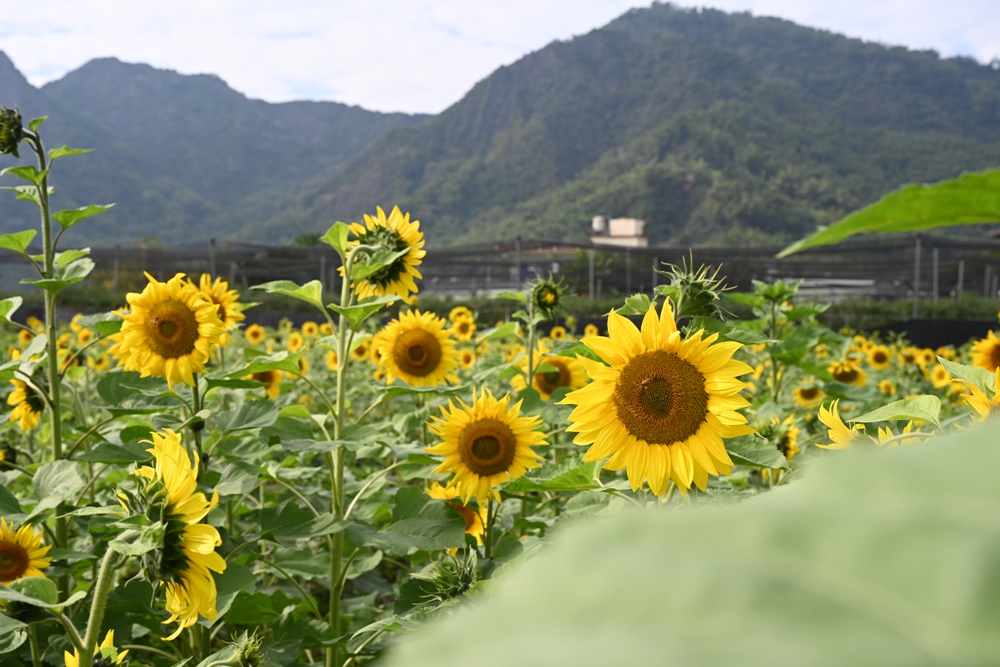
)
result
[(171, 329), (549, 381), (809, 393), (487, 447), (661, 398), (846, 376), (13, 561), (417, 352)]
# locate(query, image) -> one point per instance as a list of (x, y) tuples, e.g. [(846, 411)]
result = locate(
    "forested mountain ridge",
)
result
[(182, 156), (711, 126)]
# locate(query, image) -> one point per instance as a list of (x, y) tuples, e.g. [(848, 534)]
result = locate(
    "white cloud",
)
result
[(405, 55)]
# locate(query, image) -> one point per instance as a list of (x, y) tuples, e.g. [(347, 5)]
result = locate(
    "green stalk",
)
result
[(197, 425), (102, 587)]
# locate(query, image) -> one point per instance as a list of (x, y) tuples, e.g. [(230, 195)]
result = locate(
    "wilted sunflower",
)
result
[(168, 495), (417, 349), (986, 352), (104, 655), (255, 334), (21, 552), (808, 397), (398, 235), (28, 405), (169, 331), (663, 406), (226, 300), (485, 444)]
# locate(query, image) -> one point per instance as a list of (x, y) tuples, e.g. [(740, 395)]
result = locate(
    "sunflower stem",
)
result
[(36, 657), (197, 425), (491, 515), (102, 587)]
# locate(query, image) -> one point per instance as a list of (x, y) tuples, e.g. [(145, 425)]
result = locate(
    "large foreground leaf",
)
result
[(970, 199), (883, 558)]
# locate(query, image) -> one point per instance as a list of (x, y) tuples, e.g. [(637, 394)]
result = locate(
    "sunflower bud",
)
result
[(694, 292), (11, 131), (547, 297)]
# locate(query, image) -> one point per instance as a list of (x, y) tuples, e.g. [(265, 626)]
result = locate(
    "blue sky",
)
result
[(409, 55)]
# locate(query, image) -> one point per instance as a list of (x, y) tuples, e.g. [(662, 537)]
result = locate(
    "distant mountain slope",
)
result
[(709, 125), (181, 155)]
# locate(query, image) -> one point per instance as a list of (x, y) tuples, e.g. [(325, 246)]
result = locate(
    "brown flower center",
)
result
[(661, 398), (14, 561), (417, 352), (487, 447), (880, 357), (847, 375), (548, 381), (808, 393), (171, 329)]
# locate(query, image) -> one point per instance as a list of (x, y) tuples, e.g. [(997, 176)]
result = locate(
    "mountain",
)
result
[(183, 157), (711, 126)]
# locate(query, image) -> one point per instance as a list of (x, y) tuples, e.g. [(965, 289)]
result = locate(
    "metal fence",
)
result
[(896, 267)]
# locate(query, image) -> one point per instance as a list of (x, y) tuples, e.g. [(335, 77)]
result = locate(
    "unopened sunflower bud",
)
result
[(11, 131), (546, 296)]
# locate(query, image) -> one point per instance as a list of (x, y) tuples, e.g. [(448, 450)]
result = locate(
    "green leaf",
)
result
[(291, 523), (40, 588), (26, 193), (238, 477), (104, 324), (751, 450), (9, 306), (129, 389), (8, 502), (141, 541), (926, 408), (969, 199), (57, 482), (405, 390), (336, 237), (566, 476), (360, 311), (979, 377), (28, 173), (370, 264), (65, 275), (424, 534), (251, 414), (513, 296), (37, 123), (67, 219), (637, 304), (279, 361), (503, 331), (311, 292), (232, 582), (64, 151), (107, 452), (821, 572), (18, 241), (728, 330)]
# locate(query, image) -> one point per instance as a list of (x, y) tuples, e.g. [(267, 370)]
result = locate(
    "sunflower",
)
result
[(168, 332), (475, 521), (331, 361), (460, 313), (591, 330), (887, 387), (104, 655), (839, 433), (886, 434), (555, 372), (848, 373), (467, 359), (24, 337), (463, 330), (84, 336), (397, 235), (986, 352), (226, 300), (326, 329), (940, 377), (21, 552), (295, 342), (417, 349), (879, 357), (188, 551), (28, 405), (310, 329), (485, 444), (557, 332), (255, 334), (99, 364), (361, 351), (808, 397), (272, 381), (663, 406), (980, 402)]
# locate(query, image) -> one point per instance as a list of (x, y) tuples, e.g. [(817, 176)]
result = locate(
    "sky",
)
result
[(416, 56)]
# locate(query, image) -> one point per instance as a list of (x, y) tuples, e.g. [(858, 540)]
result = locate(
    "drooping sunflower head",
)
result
[(485, 444), (168, 494), (21, 552), (417, 349), (169, 331), (227, 302), (662, 405), (986, 352), (28, 405), (395, 234)]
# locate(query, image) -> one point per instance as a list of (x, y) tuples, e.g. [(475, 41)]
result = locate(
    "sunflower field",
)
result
[(386, 485)]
